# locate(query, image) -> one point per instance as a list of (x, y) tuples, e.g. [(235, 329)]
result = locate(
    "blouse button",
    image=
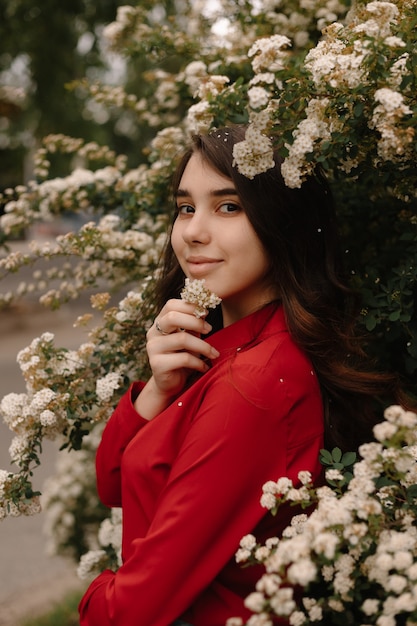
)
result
[(179, 403)]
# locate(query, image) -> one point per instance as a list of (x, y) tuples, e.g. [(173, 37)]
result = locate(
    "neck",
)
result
[(232, 315)]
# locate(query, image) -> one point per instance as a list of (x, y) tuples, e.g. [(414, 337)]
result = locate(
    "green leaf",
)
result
[(370, 322), (336, 455), (349, 458), (394, 316), (358, 109), (384, 481), (325, 457), (412, 494)]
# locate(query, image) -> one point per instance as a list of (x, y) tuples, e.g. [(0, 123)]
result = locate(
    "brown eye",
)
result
[(185, 209), (229, 208)]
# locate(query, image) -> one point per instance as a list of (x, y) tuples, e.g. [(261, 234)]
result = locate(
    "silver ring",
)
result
[(159, 329)]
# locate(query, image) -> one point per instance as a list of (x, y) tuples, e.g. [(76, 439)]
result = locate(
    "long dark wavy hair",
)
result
[(298, 230)]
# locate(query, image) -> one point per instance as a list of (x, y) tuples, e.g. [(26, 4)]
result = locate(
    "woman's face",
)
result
[(213, 239)]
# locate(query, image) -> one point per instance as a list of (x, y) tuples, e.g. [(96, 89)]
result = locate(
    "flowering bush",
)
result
[(326, 82), (71, 500), (69, 391), (355, 555)]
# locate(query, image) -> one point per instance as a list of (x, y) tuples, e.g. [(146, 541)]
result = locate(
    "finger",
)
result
[(172, 321), (166, 367), (177, 305), (170, 373), (180, 342)]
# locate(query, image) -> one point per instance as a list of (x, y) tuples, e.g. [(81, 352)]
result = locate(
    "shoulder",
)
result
[(261, 362), (268, 390), (272, 372), (275, 364)]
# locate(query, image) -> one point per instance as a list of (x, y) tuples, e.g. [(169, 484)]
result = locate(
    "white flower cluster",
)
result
[(269, 53), (361, 543), (200, 82), (167, 99), (91, 564), (315, 127), (212, 86), (65, 144), (298, 19), (194, 75), (106, 386), (195, 292), (129, 306), (113, 31), (336, 63), (199, 118), (27, 506), (13, 94), (110, 541), (258, 97), (382, 16), (247, 544), (118, 244), (167, 144), (255, 153), (115, 96), (395, 141), (26, 413)]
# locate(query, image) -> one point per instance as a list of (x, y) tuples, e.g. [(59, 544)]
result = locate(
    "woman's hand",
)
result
[(175, 349)]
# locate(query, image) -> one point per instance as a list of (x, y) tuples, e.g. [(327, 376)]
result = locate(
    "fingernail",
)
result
[(214, 352), (207, 327)]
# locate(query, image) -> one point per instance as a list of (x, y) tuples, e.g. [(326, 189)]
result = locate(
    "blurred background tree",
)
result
[(45, 45), (46, 48)]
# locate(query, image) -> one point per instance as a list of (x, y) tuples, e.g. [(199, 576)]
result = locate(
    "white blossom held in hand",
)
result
[(195, 292)]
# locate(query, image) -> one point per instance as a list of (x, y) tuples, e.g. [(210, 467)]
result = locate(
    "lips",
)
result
[(201, 259), (199, 265)]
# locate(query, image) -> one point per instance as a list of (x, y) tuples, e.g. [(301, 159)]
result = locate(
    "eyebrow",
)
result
[(227, 191)]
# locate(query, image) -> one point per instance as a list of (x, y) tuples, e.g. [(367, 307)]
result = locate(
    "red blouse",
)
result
[(190, 480)]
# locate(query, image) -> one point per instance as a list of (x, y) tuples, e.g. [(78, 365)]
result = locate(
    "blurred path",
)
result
[(31, 581)]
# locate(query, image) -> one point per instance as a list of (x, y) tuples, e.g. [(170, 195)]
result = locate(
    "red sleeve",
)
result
[(210, 501), (120, 429), (93, 603)]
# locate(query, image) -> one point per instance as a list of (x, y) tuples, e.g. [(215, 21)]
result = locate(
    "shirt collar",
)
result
[(250, 329)]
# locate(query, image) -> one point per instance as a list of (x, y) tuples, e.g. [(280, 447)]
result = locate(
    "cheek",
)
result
[(176, 239), (260, 260), (254, 247)]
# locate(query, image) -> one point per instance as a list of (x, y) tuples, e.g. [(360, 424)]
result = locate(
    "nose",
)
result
[(197, 229)]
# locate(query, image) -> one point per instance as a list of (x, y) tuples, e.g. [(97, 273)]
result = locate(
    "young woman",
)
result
[(237, 398)]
